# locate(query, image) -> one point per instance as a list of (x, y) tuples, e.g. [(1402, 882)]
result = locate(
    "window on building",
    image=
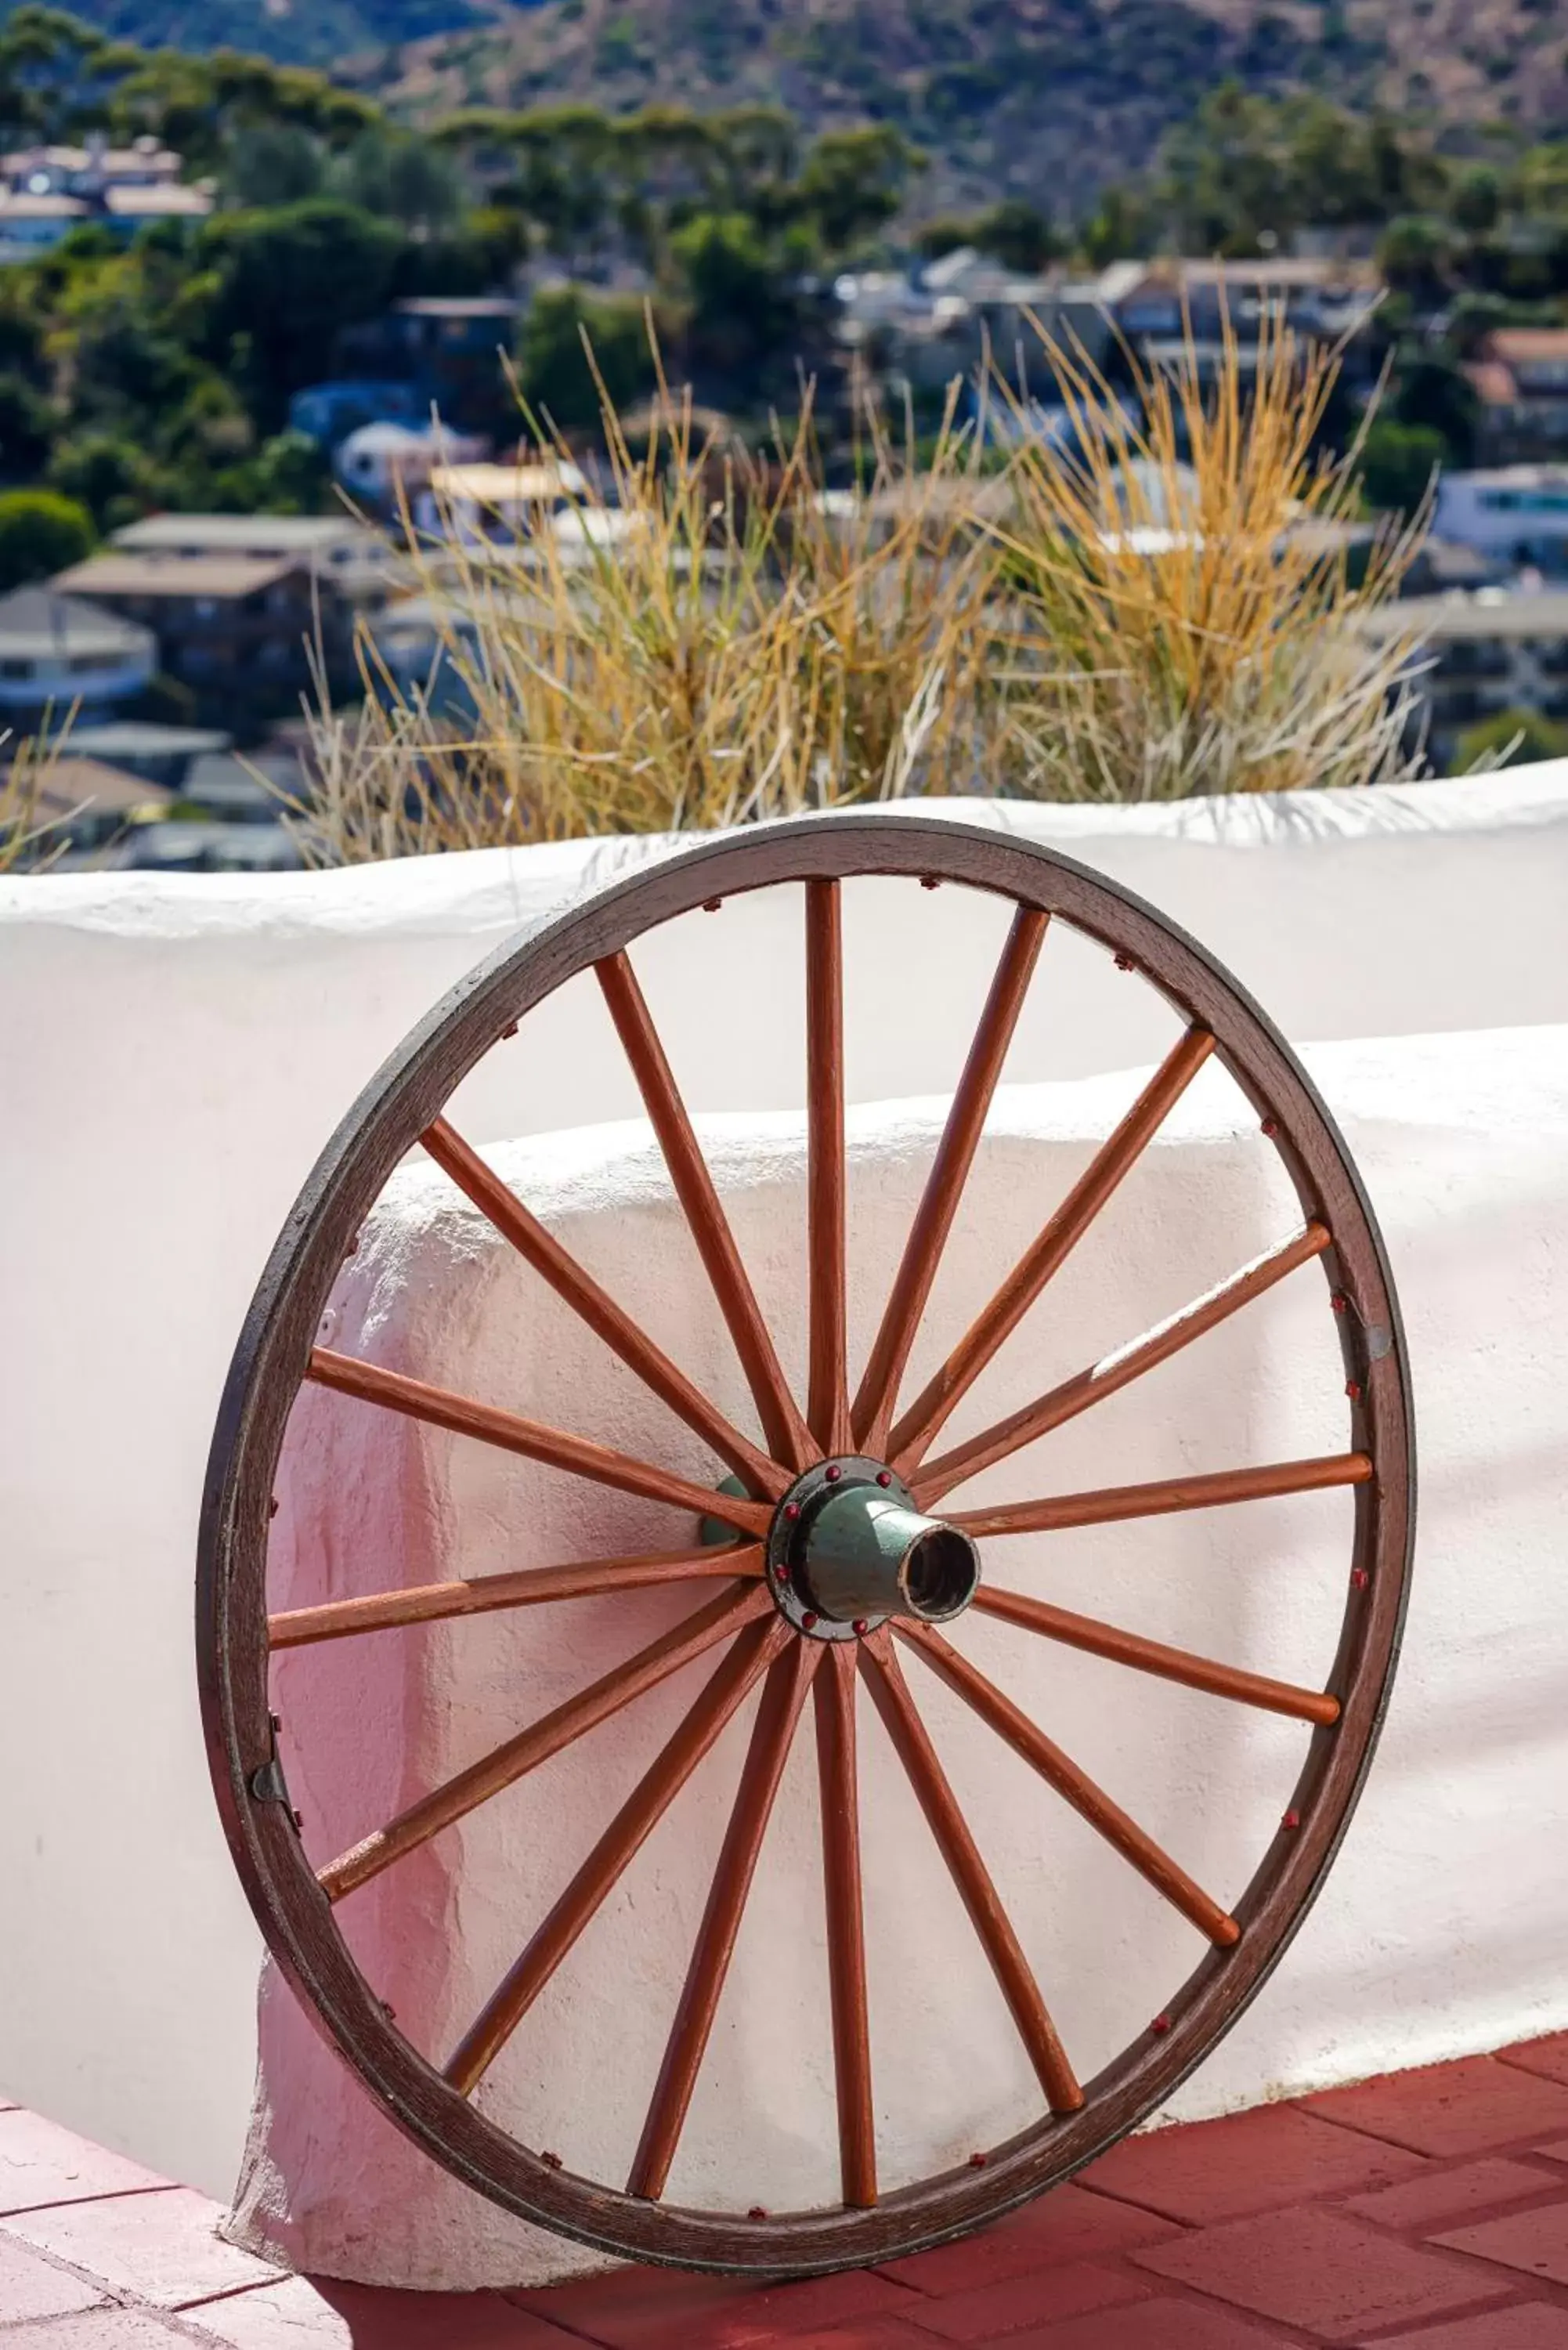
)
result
[(17, 669)]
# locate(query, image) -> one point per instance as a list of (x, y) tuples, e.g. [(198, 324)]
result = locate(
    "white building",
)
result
[(1518, 514), (381, 463), (56, 650)]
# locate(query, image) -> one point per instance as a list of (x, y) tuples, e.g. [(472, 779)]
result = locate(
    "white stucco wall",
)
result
[(172, 1054)]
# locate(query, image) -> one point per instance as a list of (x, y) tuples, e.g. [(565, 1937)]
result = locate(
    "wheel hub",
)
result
[(847, 1548)]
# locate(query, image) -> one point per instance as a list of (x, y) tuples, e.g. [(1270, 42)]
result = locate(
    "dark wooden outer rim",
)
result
[(269, 1363)]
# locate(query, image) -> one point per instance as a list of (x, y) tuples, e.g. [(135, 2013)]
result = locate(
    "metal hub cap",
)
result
[(847, 1548)]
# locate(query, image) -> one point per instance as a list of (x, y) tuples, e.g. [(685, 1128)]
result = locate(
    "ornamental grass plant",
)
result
[(1157, 602), (1181, 614), (703, 638)]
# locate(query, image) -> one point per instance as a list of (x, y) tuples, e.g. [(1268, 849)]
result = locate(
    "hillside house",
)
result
[(1519, 377), (62, 651), (235, 629)]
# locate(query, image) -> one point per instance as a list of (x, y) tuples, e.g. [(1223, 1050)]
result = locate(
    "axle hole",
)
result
[(942, 1572)]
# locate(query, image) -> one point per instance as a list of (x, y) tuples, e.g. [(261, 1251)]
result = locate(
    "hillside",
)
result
[(295, 32), (1046, 97)]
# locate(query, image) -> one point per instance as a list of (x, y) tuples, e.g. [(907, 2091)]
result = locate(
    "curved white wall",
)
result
[(172, 1054)]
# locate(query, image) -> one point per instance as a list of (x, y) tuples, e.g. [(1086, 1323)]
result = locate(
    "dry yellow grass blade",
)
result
[(703, 639), (1181, 612)]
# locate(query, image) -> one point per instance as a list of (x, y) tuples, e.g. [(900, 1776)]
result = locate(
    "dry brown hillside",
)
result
[(1048, 96)]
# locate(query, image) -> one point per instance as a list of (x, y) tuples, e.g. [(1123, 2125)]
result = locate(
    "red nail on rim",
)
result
[(272, 1507), (1360, 1578), (930, 881), (833, 1473), (783, 1574), (1270, 1127), (808, 1621), (792, 1509), (1161, 2023), (1352, 1389), (509, 1032), (976, 2162), (553, 2160), (756, 2212), (884, 1476), (1292, 1820), (1125, 962), (862, 1626), (711, 905), (1340, 1303)]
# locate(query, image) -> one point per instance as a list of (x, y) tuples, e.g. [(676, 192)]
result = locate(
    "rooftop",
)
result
[(226, 577), (1513, 344), (131, 738), (40, 624), (173, 200), (1491, 613), (458, 306), (228, 534), (72, 785)]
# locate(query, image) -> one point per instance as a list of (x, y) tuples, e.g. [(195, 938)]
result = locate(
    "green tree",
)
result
[(853, 182), (41, 533), (1519, 736), (554, 373), (743, 310), (1433, 394), (115, 479), (1475, 201), (1415, 254), (1018, 235), (1399, 461), (26, 428), (288, 281)]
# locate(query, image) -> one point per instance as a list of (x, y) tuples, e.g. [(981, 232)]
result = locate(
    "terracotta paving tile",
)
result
[(1248, 2162), (1536, 2327), (1535, 2243), (159, 2247), (1327, 2276), (1069, 2224), (989, 2311), (640, 2309), (1440, 2198), (1153, 2325), (1558, 2153), (298, 2315), (102, 2329), (1467, 2108), (31, 2287), (41, 2163), (861, 2333), (1549, 2056)]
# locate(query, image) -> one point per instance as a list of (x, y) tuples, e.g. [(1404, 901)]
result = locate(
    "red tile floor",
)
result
[(1427, 2210)]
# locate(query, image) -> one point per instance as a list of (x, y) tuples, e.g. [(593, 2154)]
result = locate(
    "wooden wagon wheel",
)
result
[(845, 1555)]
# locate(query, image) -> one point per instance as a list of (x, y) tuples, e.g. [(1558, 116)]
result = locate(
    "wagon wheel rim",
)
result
[(860, 1450)]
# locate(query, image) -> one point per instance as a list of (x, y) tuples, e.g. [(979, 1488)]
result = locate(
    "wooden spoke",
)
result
[(1150, 1656), (839, 1781), (1118, 1370), (582, 1293), (991, 1921), (786, 1431), (912, 1437), (613, 1854), (827, 1406), (442, 1408), (728, 1613), (878, 1391), (1059, 1771), (771, 1737), (430, 1603), (1116, 1503)]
